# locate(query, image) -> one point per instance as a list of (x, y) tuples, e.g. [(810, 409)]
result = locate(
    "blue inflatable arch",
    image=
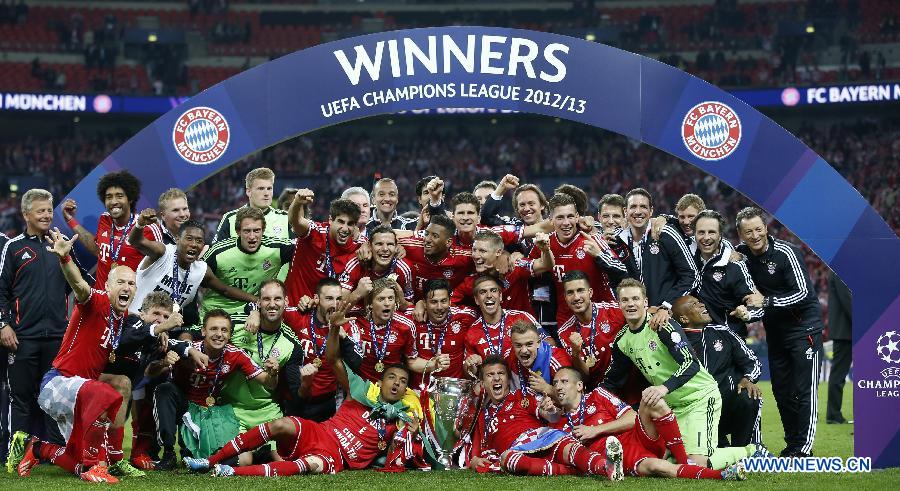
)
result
[(557, 76)]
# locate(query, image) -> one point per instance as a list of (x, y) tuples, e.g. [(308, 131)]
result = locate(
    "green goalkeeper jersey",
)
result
[(243, 270), (277, 225), (664, 357)]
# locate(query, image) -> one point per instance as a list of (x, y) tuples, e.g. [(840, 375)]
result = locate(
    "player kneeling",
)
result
[(513, 426), (599, 416), (351, 439)]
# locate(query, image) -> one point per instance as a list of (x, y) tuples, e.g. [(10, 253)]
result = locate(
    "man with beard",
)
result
[(244, 261), (534, 362), (318, 389), (33, 306), (271, 345), (358, 276), (70, 392), (439, 340), (511, 434), (487, 252), (119, 192), (724, 285), (260, 186), (490, 333), (593, 417), (432, 257), (322, 249), (386, 197), (576, 250), (383, 337), (589, 334), (665, 264), (200, 385), (736, 369), (176, 269)]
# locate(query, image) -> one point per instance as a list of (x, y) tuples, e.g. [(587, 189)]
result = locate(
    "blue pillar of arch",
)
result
[(584, 82)]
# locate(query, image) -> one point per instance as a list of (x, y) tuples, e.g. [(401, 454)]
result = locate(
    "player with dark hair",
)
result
[(440, 339), (430, 253), (793, 320), (534, 361), (594, 416), (322, 249), (578, 196), (358, 276), (511, 434), (574, 249), (119, 192), (611, 215), (362, 429)]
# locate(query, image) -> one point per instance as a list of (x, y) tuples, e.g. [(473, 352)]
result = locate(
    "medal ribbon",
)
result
[(436, 347), (115, 247), (259, 345), (178, 285), (115, 327), (221, 360), (487, 335), (580, 420), (329, 265), (489, 416), (380, 352), (592, 348), (314, 337)]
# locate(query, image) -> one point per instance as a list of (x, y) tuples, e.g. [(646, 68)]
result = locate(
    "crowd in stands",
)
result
[(866, 153)]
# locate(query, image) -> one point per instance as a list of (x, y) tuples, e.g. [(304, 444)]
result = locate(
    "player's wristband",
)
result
[(72, 223), (65, 259)]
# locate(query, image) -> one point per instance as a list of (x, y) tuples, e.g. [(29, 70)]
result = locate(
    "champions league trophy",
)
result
[(455, 408)]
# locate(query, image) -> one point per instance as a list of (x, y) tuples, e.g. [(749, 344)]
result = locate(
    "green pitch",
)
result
[(831, 440)]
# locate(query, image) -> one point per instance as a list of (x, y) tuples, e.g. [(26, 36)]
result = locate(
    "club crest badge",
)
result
[(652, 345), (448, 274), (711, 131), (266, 265), (654, 248), (604, 326), (226, 368), (579, 253), (455, 327), (717, 345), (591, 409), (718, 276), (201, 135), (771, 267)]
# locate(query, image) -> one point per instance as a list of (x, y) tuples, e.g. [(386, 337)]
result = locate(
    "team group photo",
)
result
[(476, 297)]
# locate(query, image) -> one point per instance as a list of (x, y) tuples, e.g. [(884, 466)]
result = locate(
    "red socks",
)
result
[(274, 469), (115, 437), (587, 461), (56, 455), (94, 447), (525, 465), (248, 440), (690, 471), (667, 427)]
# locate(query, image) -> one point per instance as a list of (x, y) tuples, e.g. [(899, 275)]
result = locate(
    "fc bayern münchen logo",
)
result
[(711, 130), (201, 135)]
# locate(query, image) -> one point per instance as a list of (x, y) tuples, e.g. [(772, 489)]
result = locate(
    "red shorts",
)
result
[(636, 446), (312, 439)]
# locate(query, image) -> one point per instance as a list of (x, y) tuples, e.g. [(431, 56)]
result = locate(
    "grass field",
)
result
[(831, 440)]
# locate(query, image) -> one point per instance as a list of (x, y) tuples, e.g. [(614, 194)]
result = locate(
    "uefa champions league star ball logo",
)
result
[(201, 135), (888, 347), (711, 131)]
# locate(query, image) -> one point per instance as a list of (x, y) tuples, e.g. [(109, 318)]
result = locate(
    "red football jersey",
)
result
[(313, 336), (516, 291), (355, 271), (598, 407), (448, 338), (452, 268), (499, 425), (109, 239), (481, 339), (607, 320), (317, 256), (89, 338), (356, 435), (558, 359), (399, 344), (197, 383), (571, 257)]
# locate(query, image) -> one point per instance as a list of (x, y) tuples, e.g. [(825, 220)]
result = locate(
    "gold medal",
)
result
[(382, 444), (524, 403), (112, 357), (210, 401), (317, 362), (379, 367), (591, 361)]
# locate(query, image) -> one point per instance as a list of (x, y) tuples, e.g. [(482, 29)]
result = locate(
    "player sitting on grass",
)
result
[(645, 436)]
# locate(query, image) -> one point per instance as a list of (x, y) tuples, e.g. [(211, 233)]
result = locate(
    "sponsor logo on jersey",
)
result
[(25, 255), (201, 135), (711, 131)]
